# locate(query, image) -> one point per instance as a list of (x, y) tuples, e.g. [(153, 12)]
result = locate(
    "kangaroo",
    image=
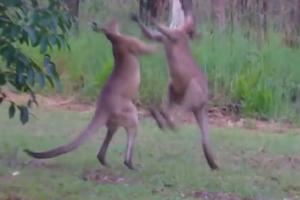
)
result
[(188, 86), (114, 107)]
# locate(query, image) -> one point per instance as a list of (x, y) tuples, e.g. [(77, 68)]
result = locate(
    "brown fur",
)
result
[(188, 85), (114, 107)]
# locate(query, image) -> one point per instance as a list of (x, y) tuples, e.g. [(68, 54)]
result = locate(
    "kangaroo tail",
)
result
[(96, 123)]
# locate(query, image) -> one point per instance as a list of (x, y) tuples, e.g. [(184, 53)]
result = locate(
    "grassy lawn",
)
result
[(254, 164)]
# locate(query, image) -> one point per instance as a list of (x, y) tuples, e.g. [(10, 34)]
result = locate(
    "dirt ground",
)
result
[(217, 117)]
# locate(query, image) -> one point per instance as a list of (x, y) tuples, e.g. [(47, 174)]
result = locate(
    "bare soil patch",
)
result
[(55, 101), (39, 163), (265, 161), (15, 198), (107, 176), (217, 116), (220, 196)]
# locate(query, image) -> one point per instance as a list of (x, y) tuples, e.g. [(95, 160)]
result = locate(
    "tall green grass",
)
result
[(259, 79)]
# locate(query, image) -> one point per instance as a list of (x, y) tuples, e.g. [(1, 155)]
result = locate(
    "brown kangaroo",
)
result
[(114, 106), (188, 85)]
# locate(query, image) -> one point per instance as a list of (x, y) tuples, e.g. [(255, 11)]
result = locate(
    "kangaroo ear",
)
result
[(94, 26), (189, 25), (134, 17), (111, 27)]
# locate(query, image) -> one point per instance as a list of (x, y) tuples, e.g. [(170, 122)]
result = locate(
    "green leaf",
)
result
[(34, 3), (15, 31), (21, 79), (32, 34), (58, 85), (41, 79), (31, 76), (52, 40), (49, 80), (2, 79), (69, 48), (24, 39), (51, 71), (50, 68), (43, 44), (34, 18), (62, 43), (24, 9), (9, 61), (46, 60), (24, 114), (11, 110)]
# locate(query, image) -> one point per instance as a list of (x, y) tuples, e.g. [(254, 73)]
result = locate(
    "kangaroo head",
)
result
[(182, 33), (189, 25), (112, 27)]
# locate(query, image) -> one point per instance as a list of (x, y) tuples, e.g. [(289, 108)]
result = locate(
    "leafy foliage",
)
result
[(36, 26)]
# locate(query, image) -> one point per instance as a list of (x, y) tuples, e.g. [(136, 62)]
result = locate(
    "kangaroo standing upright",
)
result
[(114, 106), (188, 85)]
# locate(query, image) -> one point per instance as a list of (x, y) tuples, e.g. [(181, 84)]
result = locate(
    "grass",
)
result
[(254, 164)]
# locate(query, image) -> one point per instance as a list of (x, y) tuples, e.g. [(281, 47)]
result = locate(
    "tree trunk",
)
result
[(163, 10), (186, 5), (298, 17), (157, 9), (263, 14), (218, 13), (143, 11), (177, 14), (73, 6), (234, 13)]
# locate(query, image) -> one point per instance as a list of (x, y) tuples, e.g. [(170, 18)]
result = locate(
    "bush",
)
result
[(33, 26)]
